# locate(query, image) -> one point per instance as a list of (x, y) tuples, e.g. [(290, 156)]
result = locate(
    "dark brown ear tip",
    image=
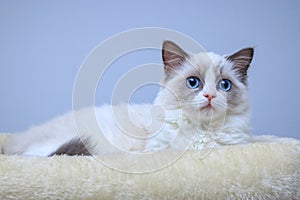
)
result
[(168, 43), (251, 52), (251, 49), (248, 49)]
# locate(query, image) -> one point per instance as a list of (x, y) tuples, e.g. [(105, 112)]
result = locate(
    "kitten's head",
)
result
[(204, 85)]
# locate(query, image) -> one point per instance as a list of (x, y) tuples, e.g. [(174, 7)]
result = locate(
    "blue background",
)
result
[(43, 43)]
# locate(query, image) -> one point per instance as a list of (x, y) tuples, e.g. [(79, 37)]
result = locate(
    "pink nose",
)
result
[(209, 96)]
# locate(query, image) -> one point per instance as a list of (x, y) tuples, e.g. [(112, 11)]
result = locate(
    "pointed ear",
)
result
[(172, 55), (241, 62)]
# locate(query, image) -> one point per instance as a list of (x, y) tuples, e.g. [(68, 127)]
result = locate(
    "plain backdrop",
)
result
[(43, 43)]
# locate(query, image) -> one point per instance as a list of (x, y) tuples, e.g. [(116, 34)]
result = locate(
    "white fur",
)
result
[(174, 120), (218, 126)]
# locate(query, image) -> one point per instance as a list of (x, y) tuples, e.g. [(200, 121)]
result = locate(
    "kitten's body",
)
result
[(180, 116)]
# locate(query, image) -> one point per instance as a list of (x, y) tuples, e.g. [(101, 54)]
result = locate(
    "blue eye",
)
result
[(225, 85), (192, 82)]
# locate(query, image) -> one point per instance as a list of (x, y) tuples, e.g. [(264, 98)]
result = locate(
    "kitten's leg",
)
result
[(76, 146)]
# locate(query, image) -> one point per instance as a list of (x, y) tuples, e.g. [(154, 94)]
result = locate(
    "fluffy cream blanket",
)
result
[(254, 171)]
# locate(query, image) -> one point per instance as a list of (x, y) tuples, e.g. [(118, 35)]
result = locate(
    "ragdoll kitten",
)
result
[(203, 100)]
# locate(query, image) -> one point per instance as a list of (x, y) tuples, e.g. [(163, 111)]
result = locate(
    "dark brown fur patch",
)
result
[(74, 147)]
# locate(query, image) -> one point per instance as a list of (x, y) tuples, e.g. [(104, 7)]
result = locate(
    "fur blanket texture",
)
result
[(252, 171)]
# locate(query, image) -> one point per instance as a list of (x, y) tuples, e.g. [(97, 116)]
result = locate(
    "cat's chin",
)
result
[(207, 108), (209, 112)]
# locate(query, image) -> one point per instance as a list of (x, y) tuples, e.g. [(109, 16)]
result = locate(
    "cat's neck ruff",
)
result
[(224, 130)]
